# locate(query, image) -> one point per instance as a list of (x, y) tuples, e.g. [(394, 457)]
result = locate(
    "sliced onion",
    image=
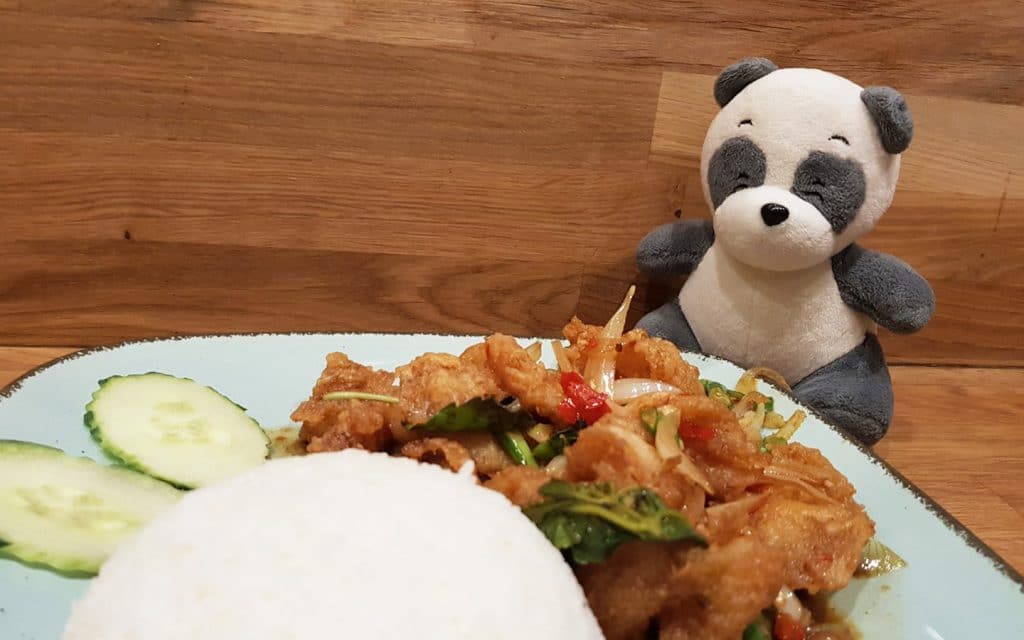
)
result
[(557, 466), (749, 402), (789, 429), (782, 475), (600, 370), (561, 357), (666, 441), (534, 351), (877, 559), (752, 421), (788, 604), (773, 420), (768, 375), (626, 389)]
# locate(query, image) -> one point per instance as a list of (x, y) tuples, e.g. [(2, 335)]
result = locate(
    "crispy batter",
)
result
[(332, 425), (639, 356), (342, 374), (630, 588), (434, 380), (440, 451), (583, 339), (784, 518), (538, 389), (645, 357), (617, 450), (729, 459), (487, 454), (822, 539), (519, 484), (718, 591)]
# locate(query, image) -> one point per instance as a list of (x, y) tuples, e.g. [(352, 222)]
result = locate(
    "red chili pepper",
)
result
[(787, 628), (693, 431), (581, 401)]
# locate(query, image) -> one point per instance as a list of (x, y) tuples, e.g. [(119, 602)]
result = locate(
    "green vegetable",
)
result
[(555, 445), (174, 429), (71, 513), (359, 395), (539, 432), (650, 419), (767, 444), (876, 559), (590, 520), (479, 414), (757, 630), (515, 445), (727, 396), (718, 391)]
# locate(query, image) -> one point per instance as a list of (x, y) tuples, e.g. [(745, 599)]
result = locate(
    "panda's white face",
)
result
[(794, 170)]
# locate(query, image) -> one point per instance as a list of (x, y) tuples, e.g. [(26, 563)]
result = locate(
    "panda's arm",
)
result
[(884, 288), (675, 249)]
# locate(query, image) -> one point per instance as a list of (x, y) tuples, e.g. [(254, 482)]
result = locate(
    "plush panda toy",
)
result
[(797, 165)]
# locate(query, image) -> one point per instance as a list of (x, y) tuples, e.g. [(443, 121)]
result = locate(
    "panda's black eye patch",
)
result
[(736, 165), (840, 139), (834, 185), (745, 121)]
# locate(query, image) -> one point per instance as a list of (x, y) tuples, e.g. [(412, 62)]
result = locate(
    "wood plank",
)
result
[(107, 187), (866, 42), (96, 292), (199, 83), (956, 435), (17, 361)]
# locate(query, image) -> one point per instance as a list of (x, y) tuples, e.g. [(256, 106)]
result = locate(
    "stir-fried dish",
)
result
[(682, 505)]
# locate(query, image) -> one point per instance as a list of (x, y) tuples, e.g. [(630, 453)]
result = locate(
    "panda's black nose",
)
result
[(774, 214)]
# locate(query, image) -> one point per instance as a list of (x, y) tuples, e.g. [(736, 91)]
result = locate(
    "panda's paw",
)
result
[(669, 322), (865, 427)]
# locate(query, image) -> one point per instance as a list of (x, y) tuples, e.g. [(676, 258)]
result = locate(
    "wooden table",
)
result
[(178, 167), (957, 435)]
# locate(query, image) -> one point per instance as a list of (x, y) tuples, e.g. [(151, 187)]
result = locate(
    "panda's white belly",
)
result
[(793, 322)]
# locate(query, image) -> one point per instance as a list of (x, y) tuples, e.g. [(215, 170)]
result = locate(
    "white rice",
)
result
[(337, 545)]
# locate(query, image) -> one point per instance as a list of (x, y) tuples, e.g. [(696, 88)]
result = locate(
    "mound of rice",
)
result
[(337, 545)]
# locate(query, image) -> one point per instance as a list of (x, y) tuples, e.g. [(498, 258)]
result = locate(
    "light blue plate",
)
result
[(954, 586)]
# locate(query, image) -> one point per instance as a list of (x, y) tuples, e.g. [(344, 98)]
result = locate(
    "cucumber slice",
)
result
[(71, 513), (174, 429)]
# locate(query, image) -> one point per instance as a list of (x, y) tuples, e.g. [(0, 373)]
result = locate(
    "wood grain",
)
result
[(301, 199), (955, 434), (191, 167), (927, 47), (185, 289)]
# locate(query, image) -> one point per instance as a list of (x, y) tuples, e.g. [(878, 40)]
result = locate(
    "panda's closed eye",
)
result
[(742, 182), (840, 139), (747, 121)]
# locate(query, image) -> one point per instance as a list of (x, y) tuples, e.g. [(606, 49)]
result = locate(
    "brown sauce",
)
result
[(829, 624)]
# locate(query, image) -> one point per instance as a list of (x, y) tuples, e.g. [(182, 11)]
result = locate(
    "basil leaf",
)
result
[(591, 520), (479, 414)]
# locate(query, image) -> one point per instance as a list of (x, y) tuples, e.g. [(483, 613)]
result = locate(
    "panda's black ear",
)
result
[(892, 116), (738, 75)]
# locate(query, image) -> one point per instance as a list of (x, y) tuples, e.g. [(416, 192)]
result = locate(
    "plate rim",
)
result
[(948, 520)]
